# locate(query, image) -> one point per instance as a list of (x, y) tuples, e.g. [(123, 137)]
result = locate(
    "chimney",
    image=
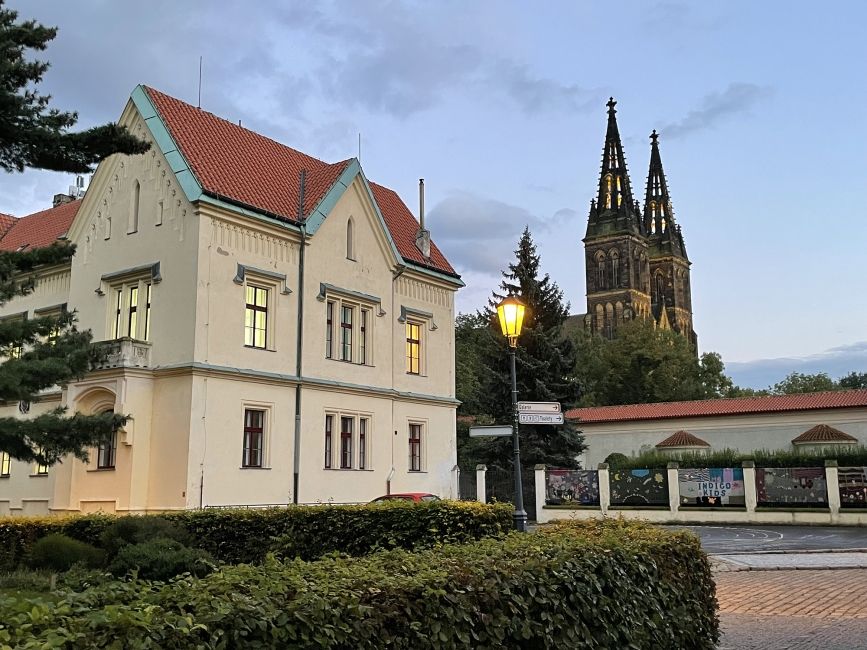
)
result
[(422, 237), (60, 199)]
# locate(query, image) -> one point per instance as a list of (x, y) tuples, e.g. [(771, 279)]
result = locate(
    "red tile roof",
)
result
[(718, 407), (6, 222), (41, 228), (823, 433), (682, 439), (236, 164)]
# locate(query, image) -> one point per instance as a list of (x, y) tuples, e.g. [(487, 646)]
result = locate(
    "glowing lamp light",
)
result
[(511, 314)]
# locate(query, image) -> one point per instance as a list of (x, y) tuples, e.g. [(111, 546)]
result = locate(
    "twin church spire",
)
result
[(635, 258)]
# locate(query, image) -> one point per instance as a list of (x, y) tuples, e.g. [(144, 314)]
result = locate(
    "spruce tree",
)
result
[(545, 363), (32, 134), (41, 353)]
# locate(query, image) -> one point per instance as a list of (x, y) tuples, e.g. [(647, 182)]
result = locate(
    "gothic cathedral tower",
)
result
[(615, 246), (636, 266)]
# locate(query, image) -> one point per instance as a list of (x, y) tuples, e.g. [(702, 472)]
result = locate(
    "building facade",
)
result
[(279, 328), (810, 421), (635, 258)]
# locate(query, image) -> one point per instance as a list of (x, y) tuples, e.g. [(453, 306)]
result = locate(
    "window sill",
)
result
[(253, 467), (415, 374), (38, 475), (2, 476), (348, 469), (102, 469), (253, 347), (416, 471), (353, 363)]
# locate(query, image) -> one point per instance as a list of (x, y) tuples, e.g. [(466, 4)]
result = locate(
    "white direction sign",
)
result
[(538, 407), (540, 418), (497, 430)]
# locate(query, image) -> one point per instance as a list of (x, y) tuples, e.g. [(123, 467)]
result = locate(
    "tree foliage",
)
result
[(32, 134), (545, 363), (42, 353), (798, 382), (644, 364)]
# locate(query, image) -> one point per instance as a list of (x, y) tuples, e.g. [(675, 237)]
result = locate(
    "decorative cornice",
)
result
[(243, 269), (326, 289), (416, 313), (153, 269)]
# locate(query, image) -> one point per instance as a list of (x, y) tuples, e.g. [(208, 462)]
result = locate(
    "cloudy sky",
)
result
[(500, 106)]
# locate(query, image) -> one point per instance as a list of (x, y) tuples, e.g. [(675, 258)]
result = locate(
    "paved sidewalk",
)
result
[(793, 610), (757, 561)]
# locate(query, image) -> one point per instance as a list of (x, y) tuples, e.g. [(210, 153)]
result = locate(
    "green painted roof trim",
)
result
[(178, 164)]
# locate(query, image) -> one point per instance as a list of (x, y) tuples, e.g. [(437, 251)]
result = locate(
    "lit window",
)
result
[(346, 333), (254, 438), (362, 337), (346, 442), (415, 447), (256, 317), (133, 312), (126, 308), (40, 470), (118, 310), (147, 331), (413, 348), (329, 425), (106, 452), (5, 463)]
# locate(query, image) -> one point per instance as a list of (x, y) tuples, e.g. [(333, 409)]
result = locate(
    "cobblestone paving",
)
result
[(793, 610)]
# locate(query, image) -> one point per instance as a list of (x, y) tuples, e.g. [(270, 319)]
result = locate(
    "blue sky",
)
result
[(500, 106)]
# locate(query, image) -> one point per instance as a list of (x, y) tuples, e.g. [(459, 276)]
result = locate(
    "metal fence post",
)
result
[(750, 494)]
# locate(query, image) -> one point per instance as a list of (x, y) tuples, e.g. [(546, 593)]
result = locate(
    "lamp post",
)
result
[(511, 314)]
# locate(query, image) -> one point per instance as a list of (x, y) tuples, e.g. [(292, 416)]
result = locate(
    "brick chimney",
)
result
[(60, 199)]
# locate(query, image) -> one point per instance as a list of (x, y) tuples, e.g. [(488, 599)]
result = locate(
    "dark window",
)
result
[(413, 348), (615, 271), (106, 452), (415, 447), (346, 443), (362, 443), (329, 424), (600, 274), (118, 299), (362, 337), (329, 330), (147, 332), (346, 333), (256, 317), (254, 438)]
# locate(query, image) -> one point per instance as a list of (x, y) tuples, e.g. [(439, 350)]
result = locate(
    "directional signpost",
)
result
[(496, 430), (540, 413)]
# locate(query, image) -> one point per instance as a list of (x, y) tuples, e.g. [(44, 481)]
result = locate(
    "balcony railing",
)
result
[(124, 353)]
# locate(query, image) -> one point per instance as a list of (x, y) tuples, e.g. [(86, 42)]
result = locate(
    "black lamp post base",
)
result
[(520, 519)]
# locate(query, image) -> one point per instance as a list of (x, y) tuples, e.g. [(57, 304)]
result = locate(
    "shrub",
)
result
[(137, 529), (595, 585), (59, 553), (161, 559), (245, 535)]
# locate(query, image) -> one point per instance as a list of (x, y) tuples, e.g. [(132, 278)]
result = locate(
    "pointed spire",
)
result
[(615, 190), (658, 215)]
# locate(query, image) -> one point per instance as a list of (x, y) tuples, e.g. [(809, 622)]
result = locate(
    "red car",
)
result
[(415, 497)]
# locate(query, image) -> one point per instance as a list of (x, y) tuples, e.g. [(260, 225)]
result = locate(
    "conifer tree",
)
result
[(32, 134), (41, 353), (545, 363)]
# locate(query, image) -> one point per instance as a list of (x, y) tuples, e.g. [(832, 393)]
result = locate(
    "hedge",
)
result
[(845, 457), (236, 536), (580, 585)]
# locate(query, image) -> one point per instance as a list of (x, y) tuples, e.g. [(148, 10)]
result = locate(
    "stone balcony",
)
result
[(124, 353)]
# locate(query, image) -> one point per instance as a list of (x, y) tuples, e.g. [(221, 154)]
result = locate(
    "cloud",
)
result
[(535, 94), (480, 234), (836, 362), (716, 107)]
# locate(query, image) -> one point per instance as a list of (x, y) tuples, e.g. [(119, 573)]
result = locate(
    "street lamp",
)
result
[(511, 314)]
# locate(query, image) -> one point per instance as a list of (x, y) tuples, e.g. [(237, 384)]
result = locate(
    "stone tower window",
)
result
[(600, 270), (615, 269)]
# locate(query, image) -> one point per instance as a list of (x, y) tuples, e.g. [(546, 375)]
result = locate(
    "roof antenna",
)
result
[(199, 106)]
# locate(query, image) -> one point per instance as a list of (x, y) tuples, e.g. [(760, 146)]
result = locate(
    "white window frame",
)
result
[(336, 457), (5, 464), (267, 410), (338, 304), (275, 284), (423, 443), (120, 312)]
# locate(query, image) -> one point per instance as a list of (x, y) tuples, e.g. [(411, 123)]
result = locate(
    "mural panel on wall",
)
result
[(853, 487), (639, 487), (572, 486), (714, 486), (791, 486)]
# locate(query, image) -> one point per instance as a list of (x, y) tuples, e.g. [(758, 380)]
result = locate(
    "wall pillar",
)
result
[(604, 489), (456, 483), (673, 488), (832, 479), (541, 492), (481, 486), (750, 494)]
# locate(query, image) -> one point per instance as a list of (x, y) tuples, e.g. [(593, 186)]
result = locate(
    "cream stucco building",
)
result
[(274, 340)]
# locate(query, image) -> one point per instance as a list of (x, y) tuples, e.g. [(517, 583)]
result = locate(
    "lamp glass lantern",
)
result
[(511, 314)]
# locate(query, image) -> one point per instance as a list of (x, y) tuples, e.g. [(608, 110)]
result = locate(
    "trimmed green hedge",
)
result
[(845, 457), (592, 585), (236, 536)]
